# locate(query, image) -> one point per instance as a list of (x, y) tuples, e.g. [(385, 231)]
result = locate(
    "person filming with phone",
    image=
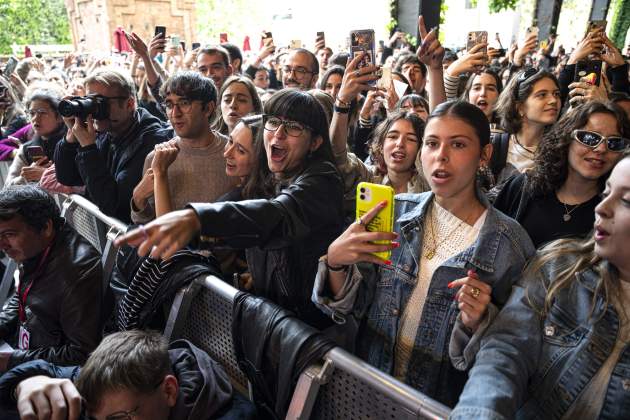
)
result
[(108, 140), (34, 156)]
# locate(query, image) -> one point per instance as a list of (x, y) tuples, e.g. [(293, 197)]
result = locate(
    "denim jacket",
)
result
[(533, 367), (378, 295)]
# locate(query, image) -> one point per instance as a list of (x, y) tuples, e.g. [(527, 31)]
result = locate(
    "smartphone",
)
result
[(268, 39), (596, 25), (368, 196), (183, 44), (385, 81), (223, 37), (160, 30), (591, 69), (10, 67), (35, 152), (196, 45), (295, 43), (532, 30), (363, 41), (476, 38), (175, 41), (320, 37)]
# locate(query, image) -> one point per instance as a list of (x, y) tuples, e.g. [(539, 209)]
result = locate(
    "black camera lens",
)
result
[(362, 197), (362, 189)]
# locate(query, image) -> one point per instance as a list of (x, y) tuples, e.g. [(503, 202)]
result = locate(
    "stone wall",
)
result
[(95, 21)]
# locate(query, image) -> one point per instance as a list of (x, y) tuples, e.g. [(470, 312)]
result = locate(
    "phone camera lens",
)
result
[(362, 197), (362, 190)]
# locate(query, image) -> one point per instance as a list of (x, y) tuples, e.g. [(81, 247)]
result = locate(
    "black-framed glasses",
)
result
[(292, 128), (592, 139), (298, 71), (184, 105)]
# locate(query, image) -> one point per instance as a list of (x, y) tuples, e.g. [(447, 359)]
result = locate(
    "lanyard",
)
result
[(22, 297)]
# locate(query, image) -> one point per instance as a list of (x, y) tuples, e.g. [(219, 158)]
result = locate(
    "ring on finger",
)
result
[(360, 222), (474, 292), (357, 73)]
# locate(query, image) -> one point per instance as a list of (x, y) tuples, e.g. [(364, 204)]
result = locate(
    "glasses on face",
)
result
[(292, 128), (298, 71), (592, 139), (42, 112), (184, 105)]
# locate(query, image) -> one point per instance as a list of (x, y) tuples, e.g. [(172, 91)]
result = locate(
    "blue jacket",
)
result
[(379, 295), (534, 367)]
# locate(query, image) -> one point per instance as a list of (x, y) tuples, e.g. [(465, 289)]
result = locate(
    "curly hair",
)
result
[(380, 133), (516, 93), (552, 157)]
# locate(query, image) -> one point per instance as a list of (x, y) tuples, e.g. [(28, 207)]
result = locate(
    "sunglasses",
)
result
[(591, 139), (523, 77)]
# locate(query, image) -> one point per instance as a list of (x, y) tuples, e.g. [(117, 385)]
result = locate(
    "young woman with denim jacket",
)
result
[(451, 267), (560, 346)]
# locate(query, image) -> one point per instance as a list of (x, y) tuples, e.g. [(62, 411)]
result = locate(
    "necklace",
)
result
[(530, 151), (431, 252), (567, 213)]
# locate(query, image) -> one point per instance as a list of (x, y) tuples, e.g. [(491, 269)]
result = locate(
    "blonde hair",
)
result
[(111, 77)]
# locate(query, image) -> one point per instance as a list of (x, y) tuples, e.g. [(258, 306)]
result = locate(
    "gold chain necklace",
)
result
[(431, 252)]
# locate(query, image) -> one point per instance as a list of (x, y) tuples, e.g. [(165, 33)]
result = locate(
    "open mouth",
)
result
[(482, 103), (230, 165), (600, 234), (440, 175), (278, 153), (398, 156), (595, 163)]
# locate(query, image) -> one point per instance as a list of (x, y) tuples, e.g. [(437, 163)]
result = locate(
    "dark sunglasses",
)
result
[(592, 139)]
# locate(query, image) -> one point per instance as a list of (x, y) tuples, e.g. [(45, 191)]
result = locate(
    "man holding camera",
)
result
[(108, 139)]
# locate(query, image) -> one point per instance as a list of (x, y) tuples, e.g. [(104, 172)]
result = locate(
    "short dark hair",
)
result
[(414, 100), (233, 50), (410, 58), (339, 59), (217, 49), (468, 113), (191, 85), (32, 203), (334, 69), (130, 360), (314, 61)]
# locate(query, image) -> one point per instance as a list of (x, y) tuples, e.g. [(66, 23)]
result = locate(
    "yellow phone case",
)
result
[(368, 196)]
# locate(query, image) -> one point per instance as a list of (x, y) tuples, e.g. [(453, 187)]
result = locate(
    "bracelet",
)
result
[(343, 103), (341, 110), (324, 259)]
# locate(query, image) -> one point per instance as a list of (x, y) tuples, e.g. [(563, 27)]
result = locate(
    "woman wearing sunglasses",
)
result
[(559, 348), (557, 198), (527, 107), (293, 211)]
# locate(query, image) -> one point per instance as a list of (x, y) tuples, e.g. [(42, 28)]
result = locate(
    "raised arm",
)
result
[(431, 53)]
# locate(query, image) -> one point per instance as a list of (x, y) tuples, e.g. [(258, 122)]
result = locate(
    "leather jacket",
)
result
[(283, 236), (530, 366), (63, 305), (273, 348)]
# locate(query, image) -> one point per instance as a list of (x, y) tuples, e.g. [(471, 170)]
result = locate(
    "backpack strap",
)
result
[(500, 144)]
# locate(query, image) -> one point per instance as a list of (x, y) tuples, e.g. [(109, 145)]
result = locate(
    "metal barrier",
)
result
[(342, 387), (202, 314), (95, 226)]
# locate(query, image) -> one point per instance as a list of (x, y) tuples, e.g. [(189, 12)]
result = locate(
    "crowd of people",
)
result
[(506, 291)]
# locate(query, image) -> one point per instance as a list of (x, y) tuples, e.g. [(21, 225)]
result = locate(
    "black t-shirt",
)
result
[(545, 216)]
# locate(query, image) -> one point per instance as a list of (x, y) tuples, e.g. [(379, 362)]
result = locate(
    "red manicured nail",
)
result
[(395, 244), (450, 285), (388, 262)]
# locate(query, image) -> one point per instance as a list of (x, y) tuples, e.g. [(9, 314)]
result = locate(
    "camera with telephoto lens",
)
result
[(82, 106)]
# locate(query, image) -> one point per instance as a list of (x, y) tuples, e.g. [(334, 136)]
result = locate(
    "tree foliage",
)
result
[(32, 22), (620, 22)]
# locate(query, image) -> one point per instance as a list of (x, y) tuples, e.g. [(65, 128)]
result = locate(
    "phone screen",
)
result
[(160, 30), (35, 152)]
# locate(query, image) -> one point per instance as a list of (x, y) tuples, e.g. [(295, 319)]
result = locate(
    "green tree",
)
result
[(620, 22), (32, 22)]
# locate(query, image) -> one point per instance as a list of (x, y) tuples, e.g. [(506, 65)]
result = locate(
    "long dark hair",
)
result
[(552, 157), (297, 106), (380, 133), (515, 93), (498, 82)]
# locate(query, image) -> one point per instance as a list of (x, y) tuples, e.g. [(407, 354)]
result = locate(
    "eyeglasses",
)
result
[(591, 139), (299, 71), (292, 128), (184, 105), (41, 112)]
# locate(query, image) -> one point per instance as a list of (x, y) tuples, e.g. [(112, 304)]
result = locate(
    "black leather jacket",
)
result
[(284, 236), (63, 307)]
